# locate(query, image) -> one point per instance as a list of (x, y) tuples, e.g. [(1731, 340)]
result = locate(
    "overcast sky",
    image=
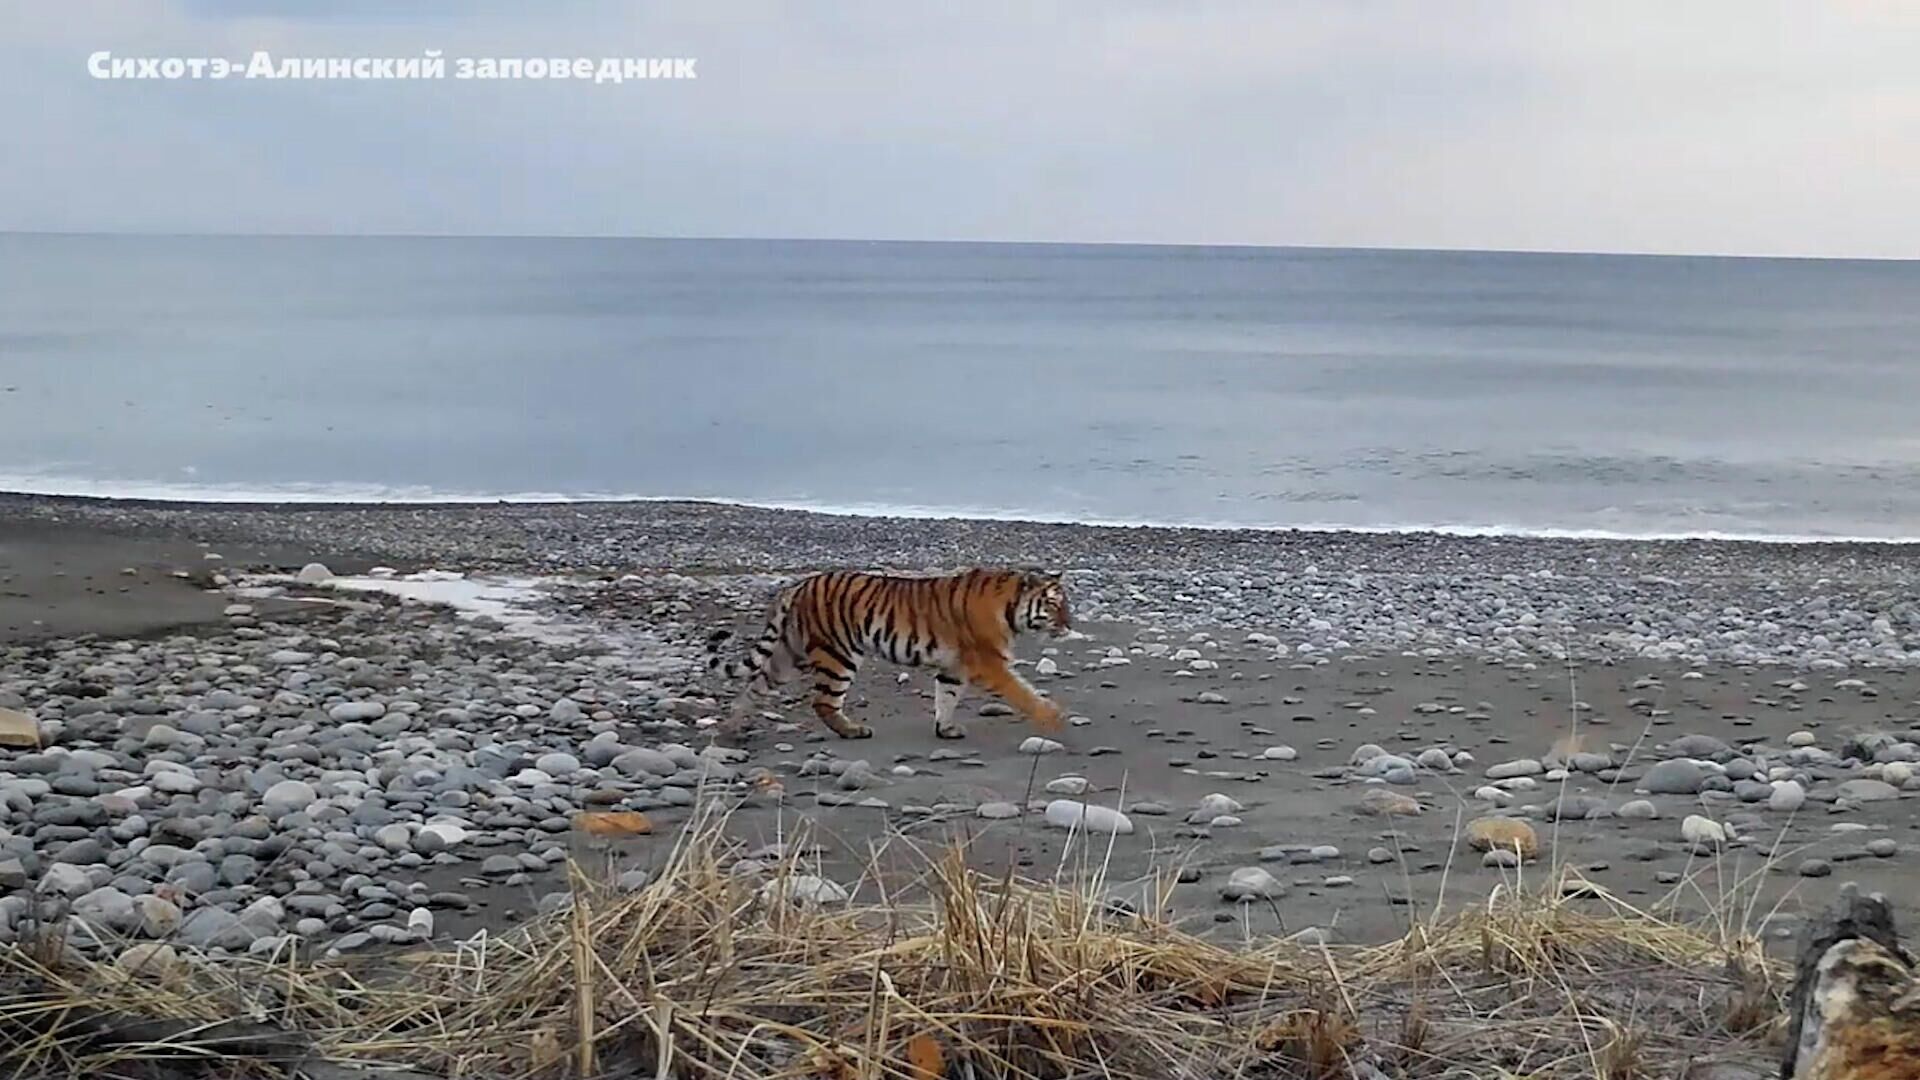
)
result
[(1711, 126)]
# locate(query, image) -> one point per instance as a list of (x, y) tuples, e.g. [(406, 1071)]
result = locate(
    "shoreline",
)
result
[(1505, 597), (536, 502)]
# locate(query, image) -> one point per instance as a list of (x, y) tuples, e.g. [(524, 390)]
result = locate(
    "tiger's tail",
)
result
[(755, 662)]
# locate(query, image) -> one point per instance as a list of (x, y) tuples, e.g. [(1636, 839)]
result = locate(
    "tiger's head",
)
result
[(1042, 604)]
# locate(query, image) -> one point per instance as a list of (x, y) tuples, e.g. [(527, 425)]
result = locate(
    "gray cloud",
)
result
[(1717, 126)]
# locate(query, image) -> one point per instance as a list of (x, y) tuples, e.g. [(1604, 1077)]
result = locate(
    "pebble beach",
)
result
[(334, 729)]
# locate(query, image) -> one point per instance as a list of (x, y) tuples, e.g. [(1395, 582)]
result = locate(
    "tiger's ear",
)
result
[(1034, 577)]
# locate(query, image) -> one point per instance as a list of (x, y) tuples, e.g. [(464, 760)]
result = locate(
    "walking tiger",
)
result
[(962, 625)]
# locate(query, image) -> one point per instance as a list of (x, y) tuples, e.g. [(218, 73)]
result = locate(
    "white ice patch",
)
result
[(511, 601)]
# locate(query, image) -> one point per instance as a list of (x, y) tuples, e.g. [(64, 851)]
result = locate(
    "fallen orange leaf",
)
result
[(924, 1054), (613, 823)]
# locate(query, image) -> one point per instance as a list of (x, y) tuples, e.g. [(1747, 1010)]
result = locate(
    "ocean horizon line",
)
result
[(1158, 245)]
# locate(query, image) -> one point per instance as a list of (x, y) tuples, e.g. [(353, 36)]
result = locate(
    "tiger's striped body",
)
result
[(962, 625)]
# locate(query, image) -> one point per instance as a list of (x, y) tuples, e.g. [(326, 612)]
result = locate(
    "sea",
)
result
[(1278, 388)]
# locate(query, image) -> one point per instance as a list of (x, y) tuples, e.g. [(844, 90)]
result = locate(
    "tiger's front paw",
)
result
[(1047, 717)]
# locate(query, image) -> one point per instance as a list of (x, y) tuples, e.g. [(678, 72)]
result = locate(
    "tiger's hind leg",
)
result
[(946, 696), (778, 668), (831, 678), (991, 672)]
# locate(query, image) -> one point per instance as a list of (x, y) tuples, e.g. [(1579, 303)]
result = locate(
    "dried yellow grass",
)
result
[(706, 974)]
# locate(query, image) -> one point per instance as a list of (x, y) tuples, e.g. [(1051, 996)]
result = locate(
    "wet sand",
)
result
[(65, 581), (1149, 740)]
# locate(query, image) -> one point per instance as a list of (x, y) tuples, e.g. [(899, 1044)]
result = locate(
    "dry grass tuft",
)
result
[(705, 974)]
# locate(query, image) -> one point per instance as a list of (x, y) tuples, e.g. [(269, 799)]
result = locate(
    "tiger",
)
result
[(962, 625)]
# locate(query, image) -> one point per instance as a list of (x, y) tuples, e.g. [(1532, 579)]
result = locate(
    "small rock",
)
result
[(211, 927), (1034, 744), (150, 962), (65, 879), (643, 762), (1251, 883), (1698, 746), (500, 866), (18, 730), (159, 917), (1213, 806), (857, 776), (805, 889), (437, 836), (1864, 790), (1508, 770), (1677, 776), (288, 797), (108, 908), (1382, 803), (1787, 796), (1068, 814), (1503, 834), (1702, 832), (175, 783)]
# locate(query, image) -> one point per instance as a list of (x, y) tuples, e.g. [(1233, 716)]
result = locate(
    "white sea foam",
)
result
[(291, 492), (378, 494)]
